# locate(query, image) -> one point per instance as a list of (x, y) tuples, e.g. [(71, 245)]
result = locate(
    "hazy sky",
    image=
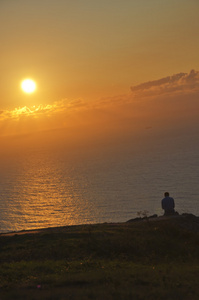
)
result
[(85, 54)]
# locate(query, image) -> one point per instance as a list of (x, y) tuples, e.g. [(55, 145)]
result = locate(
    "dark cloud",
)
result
[(177, 82), (154, 83)]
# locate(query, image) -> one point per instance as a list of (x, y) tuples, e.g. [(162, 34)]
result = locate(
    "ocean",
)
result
[(96, 183)]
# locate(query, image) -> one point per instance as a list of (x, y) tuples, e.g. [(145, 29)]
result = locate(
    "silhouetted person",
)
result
[(168, 205)]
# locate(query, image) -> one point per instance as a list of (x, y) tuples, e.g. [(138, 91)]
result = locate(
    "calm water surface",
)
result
[(45, 187)]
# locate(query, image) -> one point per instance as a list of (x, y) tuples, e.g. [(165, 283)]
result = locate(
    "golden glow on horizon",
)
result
[(28, 86)]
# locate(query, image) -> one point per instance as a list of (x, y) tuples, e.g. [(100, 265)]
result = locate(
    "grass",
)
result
[(139, 260)]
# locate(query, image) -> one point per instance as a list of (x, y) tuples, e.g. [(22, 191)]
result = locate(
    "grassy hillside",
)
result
[(145, 259)]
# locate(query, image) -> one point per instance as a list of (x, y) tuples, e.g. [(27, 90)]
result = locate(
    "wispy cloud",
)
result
[(33, 111), (40, 117)]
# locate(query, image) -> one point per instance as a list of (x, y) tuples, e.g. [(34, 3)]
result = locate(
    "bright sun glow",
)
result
[(28, 86)]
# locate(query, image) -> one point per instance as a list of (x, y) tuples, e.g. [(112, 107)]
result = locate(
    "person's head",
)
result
[(166, 194)]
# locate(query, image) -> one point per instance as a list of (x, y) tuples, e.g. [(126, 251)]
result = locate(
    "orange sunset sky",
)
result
[(105, 68)]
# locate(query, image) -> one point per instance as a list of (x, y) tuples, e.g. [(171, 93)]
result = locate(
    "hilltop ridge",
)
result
[(137, 259)]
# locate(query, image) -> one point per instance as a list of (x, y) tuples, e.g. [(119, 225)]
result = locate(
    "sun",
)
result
[(28, 86)]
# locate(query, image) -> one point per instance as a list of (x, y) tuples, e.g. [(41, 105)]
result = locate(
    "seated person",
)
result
[(168, 205)]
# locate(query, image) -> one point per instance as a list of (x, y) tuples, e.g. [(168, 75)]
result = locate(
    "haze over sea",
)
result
[(110, 182)]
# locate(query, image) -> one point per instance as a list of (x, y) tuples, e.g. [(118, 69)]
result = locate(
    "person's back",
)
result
[(168, 204)]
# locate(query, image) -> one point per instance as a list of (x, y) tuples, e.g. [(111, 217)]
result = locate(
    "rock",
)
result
[(140, 219)]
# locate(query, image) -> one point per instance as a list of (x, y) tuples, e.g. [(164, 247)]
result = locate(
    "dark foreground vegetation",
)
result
[(145, 259)]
